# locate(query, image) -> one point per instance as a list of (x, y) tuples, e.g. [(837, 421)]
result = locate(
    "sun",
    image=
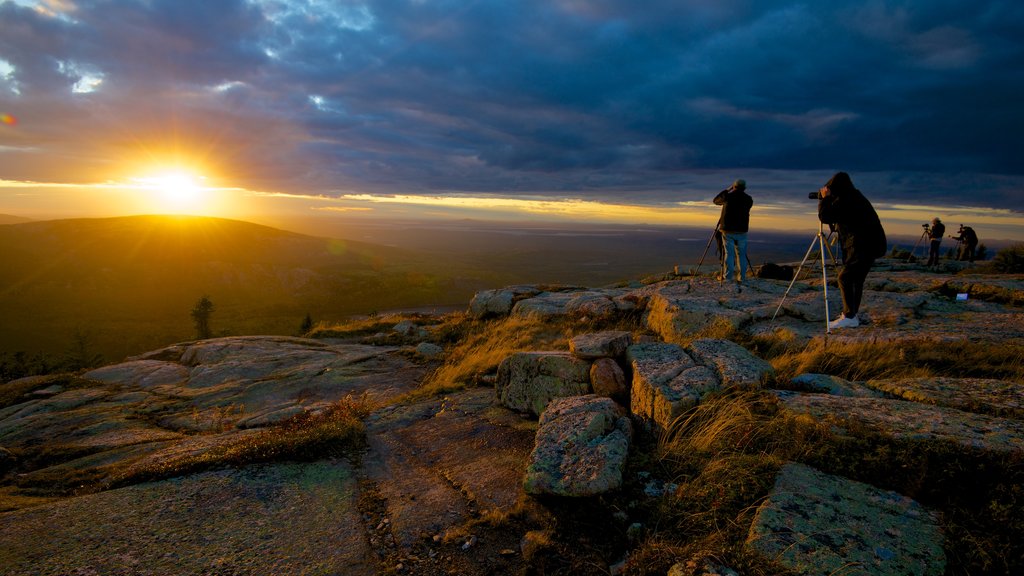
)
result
[(176, 191)]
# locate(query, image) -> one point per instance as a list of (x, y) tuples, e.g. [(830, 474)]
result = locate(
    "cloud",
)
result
[(590, 99)]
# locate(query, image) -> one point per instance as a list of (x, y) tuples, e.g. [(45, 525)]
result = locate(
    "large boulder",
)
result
[(734, 365), (609, 344), (580, 449), (527, 381), (818, 524), (666, 382), (607, 379)]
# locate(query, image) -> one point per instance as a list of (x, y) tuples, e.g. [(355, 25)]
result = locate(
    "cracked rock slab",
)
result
[(903, 420), (819, 524)]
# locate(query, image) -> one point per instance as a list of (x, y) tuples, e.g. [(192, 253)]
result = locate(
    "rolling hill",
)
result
[(129, 283)]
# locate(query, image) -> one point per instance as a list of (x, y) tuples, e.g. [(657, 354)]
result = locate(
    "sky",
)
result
[(581, 110)]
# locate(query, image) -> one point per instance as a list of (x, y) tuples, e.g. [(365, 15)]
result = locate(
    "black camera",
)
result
[(814, 196), (925, 226)]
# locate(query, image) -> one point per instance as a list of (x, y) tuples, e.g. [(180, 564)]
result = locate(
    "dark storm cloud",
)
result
[(604, 99)]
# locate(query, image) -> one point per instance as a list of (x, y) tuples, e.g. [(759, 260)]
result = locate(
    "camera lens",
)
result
[(814, 196)]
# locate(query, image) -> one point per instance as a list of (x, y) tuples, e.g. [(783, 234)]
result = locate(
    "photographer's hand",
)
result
[(823, 193)]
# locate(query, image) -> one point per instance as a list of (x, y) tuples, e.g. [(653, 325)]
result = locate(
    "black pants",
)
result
[(851, 285), (933, 252)]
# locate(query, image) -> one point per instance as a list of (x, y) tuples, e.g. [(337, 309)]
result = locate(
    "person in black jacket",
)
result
[(935, 234), (969, 242), (861, 235), (733, 224)]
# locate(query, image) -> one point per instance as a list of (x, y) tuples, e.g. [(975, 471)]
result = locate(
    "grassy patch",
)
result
[(861, 361)]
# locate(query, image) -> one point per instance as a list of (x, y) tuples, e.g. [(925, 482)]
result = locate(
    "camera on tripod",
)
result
[(814, 196), (926, 227)]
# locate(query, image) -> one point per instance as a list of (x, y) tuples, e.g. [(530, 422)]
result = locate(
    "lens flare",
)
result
[(8, 119)]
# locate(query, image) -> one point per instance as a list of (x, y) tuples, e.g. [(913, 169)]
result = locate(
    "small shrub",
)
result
[(1009, 260)]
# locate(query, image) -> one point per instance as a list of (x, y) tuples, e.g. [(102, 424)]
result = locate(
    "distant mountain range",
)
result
[(8, 219), (129, 283)]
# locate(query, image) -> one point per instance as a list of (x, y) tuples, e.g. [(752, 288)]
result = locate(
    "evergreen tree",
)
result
[(81, 355), (201, 314), (981, 252), (307, 325)]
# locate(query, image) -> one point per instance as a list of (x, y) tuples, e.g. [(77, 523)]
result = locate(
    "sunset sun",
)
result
[(176, 191)]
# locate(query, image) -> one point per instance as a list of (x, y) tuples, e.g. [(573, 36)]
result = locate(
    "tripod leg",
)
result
[(796, 275), (710, 240), (824, 282)]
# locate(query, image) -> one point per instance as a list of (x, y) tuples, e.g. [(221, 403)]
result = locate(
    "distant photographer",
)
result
[(935, 235), (733, 224), (861, 235), (969, 243)]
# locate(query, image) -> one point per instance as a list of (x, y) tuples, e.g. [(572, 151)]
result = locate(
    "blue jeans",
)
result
[(734, 245)]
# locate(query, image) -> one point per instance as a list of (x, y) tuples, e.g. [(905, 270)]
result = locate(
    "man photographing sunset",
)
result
[(733, 224)]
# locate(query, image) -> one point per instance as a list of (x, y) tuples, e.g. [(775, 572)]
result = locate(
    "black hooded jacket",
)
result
[(860, 231), (735, 205)]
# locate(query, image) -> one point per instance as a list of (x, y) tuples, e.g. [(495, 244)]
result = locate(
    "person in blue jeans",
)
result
[(733, 225)]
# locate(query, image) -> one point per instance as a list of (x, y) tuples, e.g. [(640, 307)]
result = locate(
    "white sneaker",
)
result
[(843, 322)]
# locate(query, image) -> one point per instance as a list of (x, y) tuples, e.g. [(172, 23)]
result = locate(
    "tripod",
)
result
[(822, 242), (714, 234), (926, 238), (721, 253)]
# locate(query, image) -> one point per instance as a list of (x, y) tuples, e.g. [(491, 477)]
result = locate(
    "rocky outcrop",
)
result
[(666, 382), (499, 302), (150, 408), (527, 381), (580, 449), (732, 363), (816, 523)]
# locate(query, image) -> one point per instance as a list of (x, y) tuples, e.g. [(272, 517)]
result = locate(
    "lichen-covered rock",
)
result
[(591, 304), (609, 344), (581, 447), (982, 395), (834, 385), (818, 524), (527, 381), (543, 305), (675, 314), (498, 302), (607, 379), (734, 365), (429, 351), (914, 421), (666, 382)]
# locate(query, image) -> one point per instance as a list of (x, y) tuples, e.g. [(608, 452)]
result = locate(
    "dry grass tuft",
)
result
[(910, 359)]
